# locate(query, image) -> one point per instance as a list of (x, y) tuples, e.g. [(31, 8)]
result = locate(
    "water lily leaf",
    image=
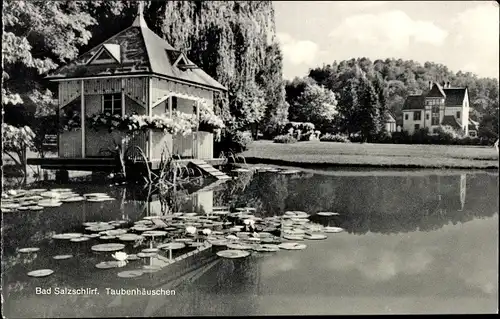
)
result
[(130, 273), (100, 228), (115, 232), (183, 240), (219, 242), (90, 235), (173, 246), (327, 214), (49, 204), (110, 264), (150, 250), (61, 257), (62, 190), (293, 237), (108, 247), (130, 237), (266, 248), (146, 255), (233, 253), (238, 246), (40, 273), (105, 237), (10, 206), (96, 195), (315, 236), (133, 257), (292, 246), (67, 236), (73, 199), (99, 199), (79, 239), (35, 207), (29, 250), (329, 229), (154, 233)]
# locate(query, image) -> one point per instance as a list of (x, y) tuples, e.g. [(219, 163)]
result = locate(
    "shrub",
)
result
[(285, 139), (235, 142), (334, 138)]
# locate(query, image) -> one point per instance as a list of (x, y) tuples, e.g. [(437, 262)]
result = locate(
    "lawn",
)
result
[(315, 153)]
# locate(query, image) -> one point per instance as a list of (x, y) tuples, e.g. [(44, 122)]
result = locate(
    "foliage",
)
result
[(233, 141), (315, 104), (285, 139), (179, 123), (70, 121), (367, 110), (443, 135), (397, 78), (334, 138), (17, 140)]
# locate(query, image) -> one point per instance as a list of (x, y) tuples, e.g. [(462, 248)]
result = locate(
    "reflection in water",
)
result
[(413, 244)]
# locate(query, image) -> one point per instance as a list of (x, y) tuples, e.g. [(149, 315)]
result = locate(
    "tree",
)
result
[(367, 114), (316, 105), (348, 101)]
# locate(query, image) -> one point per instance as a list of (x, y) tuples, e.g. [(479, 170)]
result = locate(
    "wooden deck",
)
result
[(103, 164)]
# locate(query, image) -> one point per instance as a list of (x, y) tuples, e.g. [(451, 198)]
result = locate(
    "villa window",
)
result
[(417, 126), (174, 103), (458, 114), (435, 115), (427, 116), (406, 116), (472, 133), (417, 115), (112, 103)]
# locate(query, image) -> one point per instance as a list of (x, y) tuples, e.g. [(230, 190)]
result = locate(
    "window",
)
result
[(417, 115), (427, 116), (472, 133), (112, 103), (427, 102), (458, 114), (406, 116), (417, 126), (174, 103), (435, 115)]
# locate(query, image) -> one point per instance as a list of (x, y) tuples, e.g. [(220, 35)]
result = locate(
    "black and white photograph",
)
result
[(249, 158)]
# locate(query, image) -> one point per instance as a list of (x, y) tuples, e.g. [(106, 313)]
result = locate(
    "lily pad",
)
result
[(67, 236), (239, 246), (326, 214), (106, 237), (10, 206), (330, 229), (29, 250), (110, 264), (294, 237), (150, 250), (35, 207), (73, 199), (95, 195), (100, 228), (292, 246), (130, 273), (49, 204), (183, 240), (315, 236), (90, 235), (154, 233), (133, 257), (108, 247), (61, 190), (233, 253), (130, 237), (173, 246), (219, 242), (79, 239), (266, 248), (99, 199), (146, 255), (61, 257), (40, 273), (196, 244), (115, 232)]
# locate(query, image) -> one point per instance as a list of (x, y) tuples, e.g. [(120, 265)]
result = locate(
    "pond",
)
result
[(412, 242)]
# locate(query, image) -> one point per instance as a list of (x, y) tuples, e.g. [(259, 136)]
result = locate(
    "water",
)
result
[(414, 242)]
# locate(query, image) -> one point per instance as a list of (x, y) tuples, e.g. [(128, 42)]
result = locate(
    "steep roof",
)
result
[(141, 52), (388, 118), (473, 125), (451, 121), (436, 91), (454, 96), (414, 102)]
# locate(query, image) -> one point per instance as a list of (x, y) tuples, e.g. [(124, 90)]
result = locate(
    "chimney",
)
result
[(448, 85), (443, 84), (430, 85)]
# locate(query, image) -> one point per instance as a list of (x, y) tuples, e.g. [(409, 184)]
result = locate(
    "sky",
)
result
[(463, 35)]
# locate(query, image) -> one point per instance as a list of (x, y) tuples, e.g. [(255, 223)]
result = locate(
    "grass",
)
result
[(330, 154)]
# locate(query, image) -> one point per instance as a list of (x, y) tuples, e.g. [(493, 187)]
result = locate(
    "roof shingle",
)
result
[(414, 102), (142, 52)]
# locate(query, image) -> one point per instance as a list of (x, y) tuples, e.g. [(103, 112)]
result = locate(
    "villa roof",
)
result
[(414, 102), (473, 125), (141, 52), (454, 96), (451, 121), (388, 118), (436, 91)]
